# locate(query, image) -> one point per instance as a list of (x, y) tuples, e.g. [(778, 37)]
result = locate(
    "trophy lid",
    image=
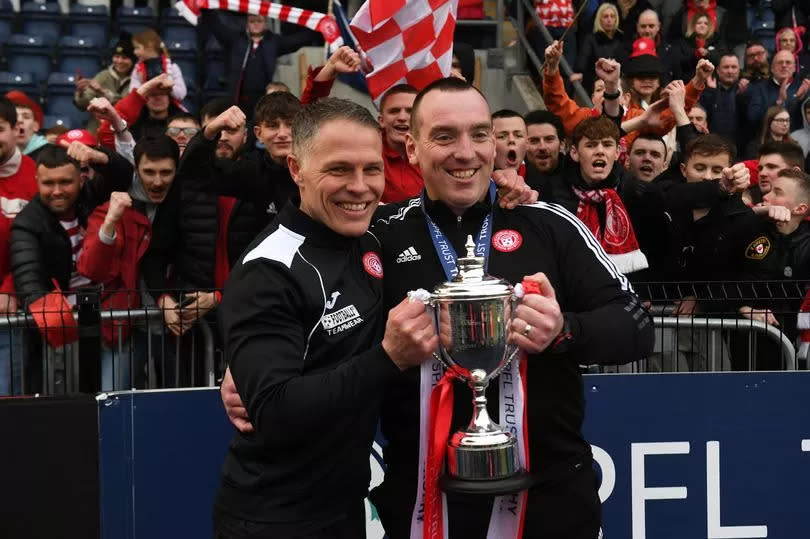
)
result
[(471, 281)]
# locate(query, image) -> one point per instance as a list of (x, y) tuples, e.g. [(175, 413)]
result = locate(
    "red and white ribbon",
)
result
[(320, 22), (429, 517)]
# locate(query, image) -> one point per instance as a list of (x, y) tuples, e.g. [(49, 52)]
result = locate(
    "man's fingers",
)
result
[(241, 425)]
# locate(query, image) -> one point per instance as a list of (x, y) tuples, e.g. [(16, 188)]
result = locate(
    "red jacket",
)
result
[(16, 191), (116, 265), (129, 108)]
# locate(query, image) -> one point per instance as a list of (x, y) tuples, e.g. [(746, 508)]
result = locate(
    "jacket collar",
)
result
[(314, 231), (442, 215)]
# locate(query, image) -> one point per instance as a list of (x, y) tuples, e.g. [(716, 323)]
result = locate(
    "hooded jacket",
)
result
[(802, 136)]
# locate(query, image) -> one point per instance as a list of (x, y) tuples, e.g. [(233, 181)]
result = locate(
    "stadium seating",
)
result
[(78, 55), (135, 19), (23, 82), (60, 91), (29, 54), (49, 121), (173, 27), (214, 66), (89, 22), (42, 20), (184, 54), (7, 17)]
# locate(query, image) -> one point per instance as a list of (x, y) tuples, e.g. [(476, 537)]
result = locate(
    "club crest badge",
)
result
[(372, 264), (758, 249), (507, 240)]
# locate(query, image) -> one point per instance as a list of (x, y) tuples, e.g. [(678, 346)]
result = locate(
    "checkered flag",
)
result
[(406, 41)]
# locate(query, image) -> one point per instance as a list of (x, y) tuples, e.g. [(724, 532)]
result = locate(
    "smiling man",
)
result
[(301, 318), (585, 309)]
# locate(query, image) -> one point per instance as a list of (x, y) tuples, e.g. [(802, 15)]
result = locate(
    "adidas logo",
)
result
[(408, 255)]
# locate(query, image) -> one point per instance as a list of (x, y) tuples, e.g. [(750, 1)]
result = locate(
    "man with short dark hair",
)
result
[(510, 140), (181, 128), (451, 139), (29, 122), (698, 118), (302, 317), (646, 157), (544, 148), (724, 100), (774, 157)]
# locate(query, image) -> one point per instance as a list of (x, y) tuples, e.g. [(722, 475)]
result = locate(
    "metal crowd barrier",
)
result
[(143, 354)]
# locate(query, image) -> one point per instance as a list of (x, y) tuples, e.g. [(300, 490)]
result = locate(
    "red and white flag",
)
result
[(320, 22), (406, 41)]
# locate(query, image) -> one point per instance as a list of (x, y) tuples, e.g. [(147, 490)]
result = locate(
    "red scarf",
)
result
[(618, 238), (711, 11)]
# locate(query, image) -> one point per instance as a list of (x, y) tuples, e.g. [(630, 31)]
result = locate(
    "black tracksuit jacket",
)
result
[(606, 319), (301, 317)]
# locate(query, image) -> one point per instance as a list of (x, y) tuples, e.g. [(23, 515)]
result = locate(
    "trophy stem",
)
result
[(480, 422)]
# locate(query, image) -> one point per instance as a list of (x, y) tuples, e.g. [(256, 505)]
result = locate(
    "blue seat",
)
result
[(49, 121), (173, 27), (7, 17), (29, 54), (23, 82), (61, 83), (78, 54), (62, 105), (44, 20), (90, 22), (184, 54), (135, 19)]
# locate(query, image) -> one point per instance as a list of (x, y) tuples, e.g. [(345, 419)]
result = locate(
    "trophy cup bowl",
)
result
[(473, 313)]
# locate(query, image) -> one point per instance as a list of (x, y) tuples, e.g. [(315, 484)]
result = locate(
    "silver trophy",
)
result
[(473, 313)]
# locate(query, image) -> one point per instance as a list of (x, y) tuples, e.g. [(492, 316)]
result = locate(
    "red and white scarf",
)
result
[(618, 238), (320, 22), (429, 517), (803, 325)]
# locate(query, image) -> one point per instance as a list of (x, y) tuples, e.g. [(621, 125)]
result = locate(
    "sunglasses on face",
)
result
[(187, 131)]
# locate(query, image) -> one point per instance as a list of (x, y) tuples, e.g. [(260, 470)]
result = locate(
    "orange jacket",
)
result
[(559, 103)]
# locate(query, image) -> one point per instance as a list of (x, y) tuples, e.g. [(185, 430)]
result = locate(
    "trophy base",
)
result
[(487, 487)]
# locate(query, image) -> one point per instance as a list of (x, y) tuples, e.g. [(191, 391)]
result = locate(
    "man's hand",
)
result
[(553, 56), (237, 413), (735, 179), (703, 71), (783, 88), (343, 60), (119, 202), (163, 83), (686, 306), (676, 94), (102, 109), (82, 84), (85, 154), (742, 86), (410, 336), (8, 304), (539, 314), (171, 315), (231, 119), (609, 71), (778, 214), (202, 304), (803, 88), (649, 119), (513, 189), (575, 77), (761, 315), (711, 82)]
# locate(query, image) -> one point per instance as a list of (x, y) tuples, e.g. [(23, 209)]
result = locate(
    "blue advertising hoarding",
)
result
[(686, 456)]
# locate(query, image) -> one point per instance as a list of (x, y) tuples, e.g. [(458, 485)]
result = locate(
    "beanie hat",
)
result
[(643, 59), (124, 47), (79, 135), (21, 99)]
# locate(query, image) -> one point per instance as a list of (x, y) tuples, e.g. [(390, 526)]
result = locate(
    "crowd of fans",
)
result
[(693, 173)]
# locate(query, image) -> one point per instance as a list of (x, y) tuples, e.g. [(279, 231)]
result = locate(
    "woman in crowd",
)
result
[(604, 42), (701, 41), (112, 82), (153, 59), (775, 126)]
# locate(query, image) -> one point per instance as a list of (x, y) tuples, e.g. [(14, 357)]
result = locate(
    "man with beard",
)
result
[(214, 230), (510, 140), (544, 148), (755, 64)]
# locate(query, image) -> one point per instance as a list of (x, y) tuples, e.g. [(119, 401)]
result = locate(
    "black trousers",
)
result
[(349, 525), (566, 508)]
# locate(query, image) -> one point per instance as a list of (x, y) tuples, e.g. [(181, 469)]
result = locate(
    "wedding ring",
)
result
[(526, 330)]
